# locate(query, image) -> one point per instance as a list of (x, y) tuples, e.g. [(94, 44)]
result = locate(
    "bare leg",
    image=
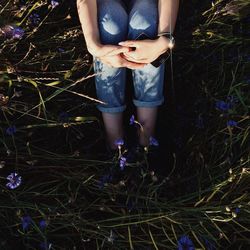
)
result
[(113, 123), (147, 118)]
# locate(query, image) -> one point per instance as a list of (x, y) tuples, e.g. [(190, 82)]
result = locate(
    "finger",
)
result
[(132, 59), (132, 65), (131, 43), (118, 51), (139, 62), (132, 54)]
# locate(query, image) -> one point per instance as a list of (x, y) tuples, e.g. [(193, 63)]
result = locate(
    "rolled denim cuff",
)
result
[(148, 104), (111, 110)]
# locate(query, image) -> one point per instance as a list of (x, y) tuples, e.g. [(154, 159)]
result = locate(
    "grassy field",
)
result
[(56, 189)]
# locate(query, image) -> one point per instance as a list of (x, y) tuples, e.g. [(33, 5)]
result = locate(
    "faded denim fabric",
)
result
[(119, 21)]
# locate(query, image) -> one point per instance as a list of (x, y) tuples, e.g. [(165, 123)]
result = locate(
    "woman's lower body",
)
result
[(120, 21)]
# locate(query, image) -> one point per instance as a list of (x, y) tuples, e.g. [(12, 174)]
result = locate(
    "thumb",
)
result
[(132, 54)]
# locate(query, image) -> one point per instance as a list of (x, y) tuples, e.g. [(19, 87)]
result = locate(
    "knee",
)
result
[(112, 21), (143, 19)]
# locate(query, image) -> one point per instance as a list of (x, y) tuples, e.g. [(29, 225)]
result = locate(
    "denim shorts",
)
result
[(120, 21)]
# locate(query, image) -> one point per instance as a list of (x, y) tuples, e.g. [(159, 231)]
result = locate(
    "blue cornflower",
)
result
[(223, 106), (35, 19), (132, 120), (232, 99), (123, 161), (185, 243), (61, 50), (11, 130), (232, 123), (42, 224), (26, 220), (12, 31), (54, 3), (237, 210), (15, 181), (153, 141), (104, 179), (17, 32), (119, 142)]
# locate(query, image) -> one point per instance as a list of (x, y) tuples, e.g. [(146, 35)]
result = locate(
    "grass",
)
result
[(199, 186)]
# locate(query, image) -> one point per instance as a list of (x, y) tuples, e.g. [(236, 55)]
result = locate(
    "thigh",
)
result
[(143, 18), (112, 21), (148, 81), (109, 81)]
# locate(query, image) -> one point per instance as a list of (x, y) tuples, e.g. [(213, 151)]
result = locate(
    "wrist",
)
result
[(163, 43), (93, 47)]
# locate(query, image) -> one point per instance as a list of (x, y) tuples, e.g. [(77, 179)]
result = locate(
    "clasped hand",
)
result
[(145, 51), (134, 54)]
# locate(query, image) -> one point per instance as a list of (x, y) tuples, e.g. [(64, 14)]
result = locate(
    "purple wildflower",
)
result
[(42, 224), (104, 179), (11, 130), (132, 120), (153, 141), (232, 99), (123, 161), (119, 142), (12, 31), (61, 50), (232, 123), (54, 3), (17, 33), (14, 181), (237, 210), (34, 19), (185, 243), (26, 220), (223, 106)]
